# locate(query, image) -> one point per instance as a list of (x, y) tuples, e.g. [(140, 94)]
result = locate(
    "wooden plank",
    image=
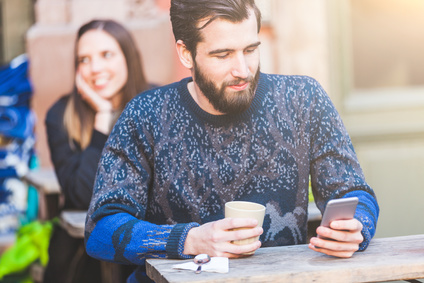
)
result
[(46, 183), (397, 258), (73, 222), (44, 180)]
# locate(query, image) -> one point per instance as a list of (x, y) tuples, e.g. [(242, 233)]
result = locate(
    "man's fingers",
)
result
[(237, 228), (349, 225), (233, 223), (341, 236), (215, 238), (231, 250), (242, 250), (341, 240), (336, 253), (243, 233), (334, 245), (342, 231)]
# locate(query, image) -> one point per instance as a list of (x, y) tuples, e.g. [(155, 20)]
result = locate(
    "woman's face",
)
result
[(102, 63)]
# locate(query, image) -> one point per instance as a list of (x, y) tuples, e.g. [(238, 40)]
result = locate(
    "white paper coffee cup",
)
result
[(245, 209)]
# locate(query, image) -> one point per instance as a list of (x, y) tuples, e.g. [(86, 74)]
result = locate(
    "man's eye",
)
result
[(222, 56), (250, 50)]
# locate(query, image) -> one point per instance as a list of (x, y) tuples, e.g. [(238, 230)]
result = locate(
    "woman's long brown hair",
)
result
[(79, 116)]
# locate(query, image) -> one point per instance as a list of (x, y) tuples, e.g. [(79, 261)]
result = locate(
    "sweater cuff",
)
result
[(367, 239), (367, 213), (176, 240), (98, 139)]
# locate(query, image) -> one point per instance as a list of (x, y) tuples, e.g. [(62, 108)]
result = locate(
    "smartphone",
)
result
[(339, 209)]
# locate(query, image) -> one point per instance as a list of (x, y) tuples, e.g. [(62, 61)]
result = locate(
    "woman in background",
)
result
[(108, 74)]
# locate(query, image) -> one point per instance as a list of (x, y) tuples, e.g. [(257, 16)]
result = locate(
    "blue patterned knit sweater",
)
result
[(169, 166)]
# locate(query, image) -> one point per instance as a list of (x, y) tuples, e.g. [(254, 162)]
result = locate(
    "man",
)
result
[(178, 153)]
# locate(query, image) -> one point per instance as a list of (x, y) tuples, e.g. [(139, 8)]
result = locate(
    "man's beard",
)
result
[(234, 102)]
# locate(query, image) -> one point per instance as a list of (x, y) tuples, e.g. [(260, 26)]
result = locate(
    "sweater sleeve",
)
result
[(366, 213), (335, 169), (75, 168), (124, 239), (117, 228)]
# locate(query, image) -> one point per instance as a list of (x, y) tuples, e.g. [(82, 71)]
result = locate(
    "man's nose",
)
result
[(240, 68)]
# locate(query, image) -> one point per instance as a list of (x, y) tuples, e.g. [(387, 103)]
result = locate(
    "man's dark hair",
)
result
[(186, 15)]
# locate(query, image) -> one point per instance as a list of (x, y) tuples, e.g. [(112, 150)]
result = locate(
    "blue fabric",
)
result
[(11, 212), (139, 276), (15, 158), (169, 163), (16, 122), (4, 192), (367, 213), (176, 240), (15, 85)]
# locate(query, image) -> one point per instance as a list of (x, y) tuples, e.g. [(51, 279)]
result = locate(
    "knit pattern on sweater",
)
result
[(167, 162)]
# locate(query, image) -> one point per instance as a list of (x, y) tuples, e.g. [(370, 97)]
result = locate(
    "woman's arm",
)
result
[(75, 168)]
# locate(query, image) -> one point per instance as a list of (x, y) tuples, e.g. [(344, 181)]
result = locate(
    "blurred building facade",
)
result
[(377, 74), (365, 53)]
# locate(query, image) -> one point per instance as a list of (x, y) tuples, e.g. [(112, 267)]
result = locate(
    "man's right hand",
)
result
[(214, 238)]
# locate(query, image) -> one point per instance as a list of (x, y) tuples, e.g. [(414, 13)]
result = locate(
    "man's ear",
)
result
[(184, 54)]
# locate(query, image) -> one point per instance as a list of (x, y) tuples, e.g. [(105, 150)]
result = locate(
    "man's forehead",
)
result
[(222, 33)]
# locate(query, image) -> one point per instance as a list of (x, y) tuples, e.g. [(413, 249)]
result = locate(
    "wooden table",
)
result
[(73, 222), (48, 187), (43, 179), (396, 258)]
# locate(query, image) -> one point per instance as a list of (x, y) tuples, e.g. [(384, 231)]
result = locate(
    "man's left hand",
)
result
[(341, 239)]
